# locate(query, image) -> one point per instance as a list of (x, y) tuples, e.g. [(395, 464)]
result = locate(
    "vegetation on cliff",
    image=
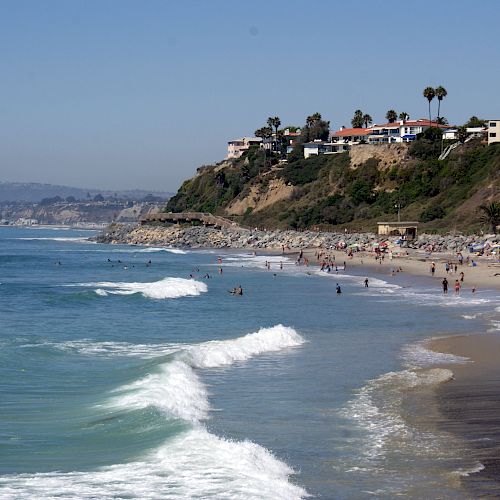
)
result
[(329, 191)]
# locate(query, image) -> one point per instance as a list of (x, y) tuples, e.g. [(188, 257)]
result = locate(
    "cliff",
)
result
[(353, 189)]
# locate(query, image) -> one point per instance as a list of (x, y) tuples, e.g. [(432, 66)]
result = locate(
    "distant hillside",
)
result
[(353, 189), (35, 192)]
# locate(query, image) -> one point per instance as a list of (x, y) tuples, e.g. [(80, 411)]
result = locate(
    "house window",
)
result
[(493, 124), (493, 134)]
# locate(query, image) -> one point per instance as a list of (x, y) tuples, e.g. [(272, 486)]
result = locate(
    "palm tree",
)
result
[(391, 116), (404, 116), (429, 94), (367, 120), (274, 122), (462, 133), (491, 215), (441, 93)]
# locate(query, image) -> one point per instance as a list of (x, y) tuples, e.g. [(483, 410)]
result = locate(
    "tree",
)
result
[(367, 120), (264, 132), (315, 128), (474, 121), (99, 197), (404, 116), (462, 133), (391, 116), (429, 94), (491, 215), (441, 120), (357, 120), (441, 93)]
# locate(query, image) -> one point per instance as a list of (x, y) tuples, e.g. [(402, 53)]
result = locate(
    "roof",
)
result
[(411, 123), (351, 131), (246, 139)]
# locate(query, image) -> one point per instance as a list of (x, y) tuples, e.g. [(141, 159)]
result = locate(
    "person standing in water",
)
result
[(338, 289), (366, 282), (445, 285)]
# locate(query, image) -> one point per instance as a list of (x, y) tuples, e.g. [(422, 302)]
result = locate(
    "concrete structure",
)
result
[(493, 131), (408, 230), (452, 133), (237, 147)]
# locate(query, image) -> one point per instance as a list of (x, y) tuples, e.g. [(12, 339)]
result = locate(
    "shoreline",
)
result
[(470, 404)]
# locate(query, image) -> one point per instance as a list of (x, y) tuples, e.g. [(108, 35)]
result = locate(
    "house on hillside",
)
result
[(493, 131), (452, 133), (323, 148), (401, 131), (237, 147), (350, 136)]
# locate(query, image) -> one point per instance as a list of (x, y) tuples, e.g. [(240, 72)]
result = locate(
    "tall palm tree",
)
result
[(429, 94), (404, 116), (441, 93), (367, 120), (274, 122), (391, 116), (357, 119), (491, 215)]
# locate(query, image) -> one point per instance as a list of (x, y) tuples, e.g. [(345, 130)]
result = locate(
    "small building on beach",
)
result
[(407, 230)]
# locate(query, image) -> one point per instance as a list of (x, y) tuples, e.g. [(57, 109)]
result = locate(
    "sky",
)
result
[(120, 94)]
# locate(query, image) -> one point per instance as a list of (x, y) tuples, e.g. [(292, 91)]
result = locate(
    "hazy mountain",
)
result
[(35, 192)]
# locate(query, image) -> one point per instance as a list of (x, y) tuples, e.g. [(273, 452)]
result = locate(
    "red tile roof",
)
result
[(411, 123), (352, 131)]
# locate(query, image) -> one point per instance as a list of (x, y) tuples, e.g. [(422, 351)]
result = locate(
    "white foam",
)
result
[(195, 464), (167, 288), (377, 407), (109, 349), (175, 387), (68, 239), (162, 249), (478, 467), (417, 355), (469, 316), (218, 353)]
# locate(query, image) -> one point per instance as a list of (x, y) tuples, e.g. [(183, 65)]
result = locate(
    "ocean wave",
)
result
[(418, 355), (195, 464), (67, 239), (161, 249), (175, 387), (167, 288), (110, 349)]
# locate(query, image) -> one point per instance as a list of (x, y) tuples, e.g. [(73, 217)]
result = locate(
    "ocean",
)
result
[(126, 372)]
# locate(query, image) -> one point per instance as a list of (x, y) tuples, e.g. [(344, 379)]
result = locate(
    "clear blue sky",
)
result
[(122, 94)]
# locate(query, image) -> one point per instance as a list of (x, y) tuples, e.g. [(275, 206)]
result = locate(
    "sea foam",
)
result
[(175, 388), (167, 288), (195, 464)]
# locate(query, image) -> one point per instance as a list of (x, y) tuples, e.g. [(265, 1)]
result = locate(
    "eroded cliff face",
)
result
[(261, 196), (387, 154)]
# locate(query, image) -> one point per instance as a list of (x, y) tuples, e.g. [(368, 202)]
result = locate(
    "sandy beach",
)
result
[(486, 274)]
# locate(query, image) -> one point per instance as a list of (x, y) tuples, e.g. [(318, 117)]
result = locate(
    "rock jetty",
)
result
[(209, 237)]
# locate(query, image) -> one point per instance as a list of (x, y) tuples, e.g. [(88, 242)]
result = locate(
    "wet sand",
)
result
[(470, 406)]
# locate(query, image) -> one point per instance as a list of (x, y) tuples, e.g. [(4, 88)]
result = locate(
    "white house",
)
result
[(400, 131), (237, 147), (493, 131), (323, 148)]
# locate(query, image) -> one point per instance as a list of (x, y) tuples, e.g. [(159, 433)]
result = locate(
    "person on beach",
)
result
[(433, 268), (462, 275), (457, 287), (474, 289), (338, 289), (366, 282), (445, 285)]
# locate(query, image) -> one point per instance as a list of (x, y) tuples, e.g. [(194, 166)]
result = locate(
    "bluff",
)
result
[(354, 189)]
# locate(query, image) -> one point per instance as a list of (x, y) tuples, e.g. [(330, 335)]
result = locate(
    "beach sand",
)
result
[(470, 406), (485, 275)]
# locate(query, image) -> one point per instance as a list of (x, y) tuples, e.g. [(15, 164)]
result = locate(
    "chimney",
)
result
[(342, 127)]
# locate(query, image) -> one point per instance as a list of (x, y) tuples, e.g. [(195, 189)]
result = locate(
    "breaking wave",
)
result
[(193, 464), (167, 288)]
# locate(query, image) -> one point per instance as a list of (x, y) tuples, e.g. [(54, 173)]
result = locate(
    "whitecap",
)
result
[(167, 288)]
